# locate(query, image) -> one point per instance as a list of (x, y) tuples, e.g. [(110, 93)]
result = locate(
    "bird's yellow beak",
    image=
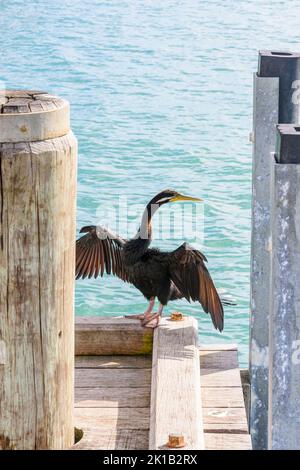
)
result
[(180, 197)]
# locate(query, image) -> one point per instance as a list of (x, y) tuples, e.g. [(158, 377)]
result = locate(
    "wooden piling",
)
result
[(37, 240)]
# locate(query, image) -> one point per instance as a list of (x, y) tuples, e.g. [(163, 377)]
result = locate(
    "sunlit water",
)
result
[(161, 95)]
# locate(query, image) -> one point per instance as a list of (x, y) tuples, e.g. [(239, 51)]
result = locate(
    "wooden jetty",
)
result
[(134, 388)]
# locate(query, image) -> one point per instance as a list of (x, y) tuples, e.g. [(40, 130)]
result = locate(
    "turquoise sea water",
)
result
[(161, 96)]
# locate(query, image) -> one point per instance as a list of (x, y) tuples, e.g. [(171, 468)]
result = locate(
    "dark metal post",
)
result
[(284, 345), (276, 100)]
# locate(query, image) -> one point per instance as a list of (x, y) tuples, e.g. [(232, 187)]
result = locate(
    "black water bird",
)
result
[(173, 275)]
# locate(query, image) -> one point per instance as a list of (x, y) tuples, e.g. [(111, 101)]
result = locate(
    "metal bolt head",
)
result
[(176, 316), (176, 441)]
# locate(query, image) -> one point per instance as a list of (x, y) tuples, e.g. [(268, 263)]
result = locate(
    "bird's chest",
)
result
[(147, 275)]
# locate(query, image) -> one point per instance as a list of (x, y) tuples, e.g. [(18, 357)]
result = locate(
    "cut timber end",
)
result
[(106, 336), (31, 116), (175, 390)]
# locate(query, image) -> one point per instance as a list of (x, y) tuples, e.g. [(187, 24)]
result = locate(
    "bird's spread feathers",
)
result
[(181, 273)]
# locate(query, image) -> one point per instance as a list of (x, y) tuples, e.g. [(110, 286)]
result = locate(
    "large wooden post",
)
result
[(37, 238)]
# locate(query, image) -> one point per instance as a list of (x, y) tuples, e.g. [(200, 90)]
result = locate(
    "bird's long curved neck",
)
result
[(140, 243), (145, 230)]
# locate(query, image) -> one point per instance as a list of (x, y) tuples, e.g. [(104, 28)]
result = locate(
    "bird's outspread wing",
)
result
[(98, 251), (191, 277)]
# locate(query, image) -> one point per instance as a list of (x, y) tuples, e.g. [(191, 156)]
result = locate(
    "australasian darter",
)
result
[(172, 275)]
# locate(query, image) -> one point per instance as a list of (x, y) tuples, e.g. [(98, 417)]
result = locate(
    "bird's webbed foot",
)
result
[(143, 316), (151, 321)]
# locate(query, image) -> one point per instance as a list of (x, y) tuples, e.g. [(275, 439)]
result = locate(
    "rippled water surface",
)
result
[(161, 95)]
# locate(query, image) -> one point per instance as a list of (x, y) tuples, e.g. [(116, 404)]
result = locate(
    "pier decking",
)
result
[(113, 392)]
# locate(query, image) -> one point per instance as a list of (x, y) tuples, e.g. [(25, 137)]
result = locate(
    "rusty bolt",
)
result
[(176, 316), (176, 441)]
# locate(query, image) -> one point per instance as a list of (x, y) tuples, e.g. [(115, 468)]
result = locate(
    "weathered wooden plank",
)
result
[(112, 397), (122, 378), (112, 418), (225, 419), (114, 362), (222, 397), (218, 347), (220, 378), (175, 388), (94, 438), (221, 441), (219, 359), (106, 336)]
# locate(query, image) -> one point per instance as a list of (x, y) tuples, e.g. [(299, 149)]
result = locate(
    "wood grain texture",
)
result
[(95, 438), (122, 378), (114, 397), (113, 362), (221, 441), (112, 418), (228, 419), (222, 360), (107, 336), (218, 347), (226, 397), (220, 378), (175, 388), (37, 232)]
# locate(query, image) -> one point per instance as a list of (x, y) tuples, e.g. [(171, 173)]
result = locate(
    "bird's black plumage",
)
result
[(177, 274)]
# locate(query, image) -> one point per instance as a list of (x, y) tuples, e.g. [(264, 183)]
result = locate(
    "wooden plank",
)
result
[(175, 388), (230, 428), (225, 419), (220, 378), (220, 441), (222, 397), (112, 418), (114, 362), (122, 378), (219, 359), (106, 336), (120, 439), (218, 347), (112, 397)]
